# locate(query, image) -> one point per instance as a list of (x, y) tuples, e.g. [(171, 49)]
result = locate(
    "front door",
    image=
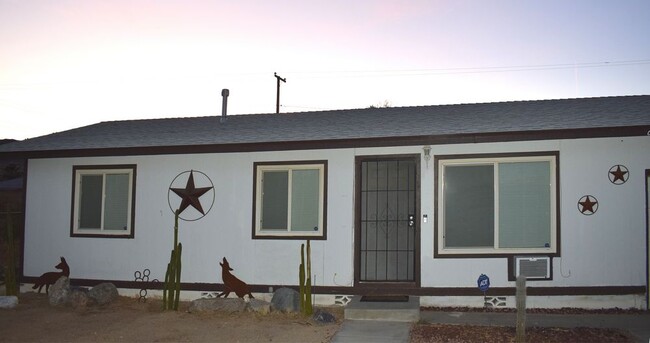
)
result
[(387, 212)]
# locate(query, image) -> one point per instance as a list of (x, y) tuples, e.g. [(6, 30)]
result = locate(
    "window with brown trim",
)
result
[(289, 199), (497, 205), (103, 201)]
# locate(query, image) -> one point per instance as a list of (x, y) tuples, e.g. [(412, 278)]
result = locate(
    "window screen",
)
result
[(116, 203), (469, 206), (275, 197), (524, 205), (90, 204), (305, 200)]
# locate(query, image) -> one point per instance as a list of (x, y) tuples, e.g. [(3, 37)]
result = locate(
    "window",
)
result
[(502, 204), (290, 200), (103, 201)]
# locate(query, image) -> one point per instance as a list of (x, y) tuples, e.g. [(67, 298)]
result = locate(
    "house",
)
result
[(406, 200)]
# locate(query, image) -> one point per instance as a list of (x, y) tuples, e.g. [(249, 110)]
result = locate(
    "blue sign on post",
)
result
[(483, 283)]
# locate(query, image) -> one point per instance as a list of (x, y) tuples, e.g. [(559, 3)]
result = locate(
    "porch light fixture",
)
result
[(427, 154)]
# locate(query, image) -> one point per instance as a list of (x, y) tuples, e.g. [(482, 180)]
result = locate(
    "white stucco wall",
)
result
[(225, 231), (605, 249)]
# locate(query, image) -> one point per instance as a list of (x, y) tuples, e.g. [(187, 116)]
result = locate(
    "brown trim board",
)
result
[(647, 238), (24, 209), (419, 291)]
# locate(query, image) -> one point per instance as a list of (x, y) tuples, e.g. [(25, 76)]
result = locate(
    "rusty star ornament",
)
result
[(618, 174), (586, 206), (190, 195)]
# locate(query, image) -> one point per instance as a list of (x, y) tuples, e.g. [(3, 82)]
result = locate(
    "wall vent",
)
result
[(209, 295), (497, 302), (533, 267), (342, 299)]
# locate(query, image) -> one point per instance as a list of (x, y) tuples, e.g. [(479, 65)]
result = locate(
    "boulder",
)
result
[(7, 302), (285, 300), (259, 306), (218, 305), (323, 317), (79, 298), (59, 292), (103, 293)]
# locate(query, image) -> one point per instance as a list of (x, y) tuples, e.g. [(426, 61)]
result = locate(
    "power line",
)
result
[(352, 73), (306, 107), (471, 70)]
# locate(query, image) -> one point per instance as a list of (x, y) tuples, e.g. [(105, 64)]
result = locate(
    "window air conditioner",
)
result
[(533, 267)]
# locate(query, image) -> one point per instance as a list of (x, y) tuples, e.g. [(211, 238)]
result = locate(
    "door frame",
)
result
[(647, 238), (379, 287)]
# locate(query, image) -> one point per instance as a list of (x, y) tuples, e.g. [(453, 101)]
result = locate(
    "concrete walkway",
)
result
[(370, 331), (383, 331)]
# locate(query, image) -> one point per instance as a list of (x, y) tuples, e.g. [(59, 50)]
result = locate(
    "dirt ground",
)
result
[(429, 332), (424, 333), (127, 320)]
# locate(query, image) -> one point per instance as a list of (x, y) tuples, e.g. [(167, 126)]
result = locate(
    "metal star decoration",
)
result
[(618, 174), (588, 205), (190, 195)]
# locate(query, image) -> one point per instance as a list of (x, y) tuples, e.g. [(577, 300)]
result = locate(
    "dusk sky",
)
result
[(66, 64)]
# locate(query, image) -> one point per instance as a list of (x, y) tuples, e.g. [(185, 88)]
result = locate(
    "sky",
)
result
[(66, 64)]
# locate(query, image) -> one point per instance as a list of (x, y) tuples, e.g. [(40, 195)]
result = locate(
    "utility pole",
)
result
[(277, 99)]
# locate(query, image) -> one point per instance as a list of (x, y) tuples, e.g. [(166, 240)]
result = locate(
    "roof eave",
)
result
[(463, 138)]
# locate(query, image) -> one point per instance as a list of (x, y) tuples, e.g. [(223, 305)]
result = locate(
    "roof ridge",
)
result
[(248, 115)]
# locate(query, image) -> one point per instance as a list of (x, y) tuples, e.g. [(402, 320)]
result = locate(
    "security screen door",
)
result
[(387, 212)]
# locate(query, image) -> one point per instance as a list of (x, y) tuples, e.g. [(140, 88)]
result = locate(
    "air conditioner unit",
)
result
[(532, 268)]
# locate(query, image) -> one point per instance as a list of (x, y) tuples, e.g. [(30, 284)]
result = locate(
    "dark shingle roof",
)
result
[(463, 120)]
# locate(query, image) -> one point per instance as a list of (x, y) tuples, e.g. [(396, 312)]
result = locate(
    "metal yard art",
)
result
[(189, 197), (231, 283), (49, 278)]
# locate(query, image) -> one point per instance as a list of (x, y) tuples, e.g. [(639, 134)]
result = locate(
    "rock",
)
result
[(7, 302), (79, 298), (218, 305), (59, 292), (286, 300), (323, 317), (103, 293), (259, 306)]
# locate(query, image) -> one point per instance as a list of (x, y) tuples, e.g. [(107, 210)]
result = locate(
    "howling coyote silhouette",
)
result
[(231, 283)]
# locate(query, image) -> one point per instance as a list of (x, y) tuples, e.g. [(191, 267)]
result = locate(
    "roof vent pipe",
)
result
[(224, 104)]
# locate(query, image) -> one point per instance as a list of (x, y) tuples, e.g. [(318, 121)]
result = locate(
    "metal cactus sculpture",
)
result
[(172, 286), (304, 274), (189, 196)]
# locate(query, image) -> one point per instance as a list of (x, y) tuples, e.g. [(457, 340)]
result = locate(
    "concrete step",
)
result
[(407, 311)]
